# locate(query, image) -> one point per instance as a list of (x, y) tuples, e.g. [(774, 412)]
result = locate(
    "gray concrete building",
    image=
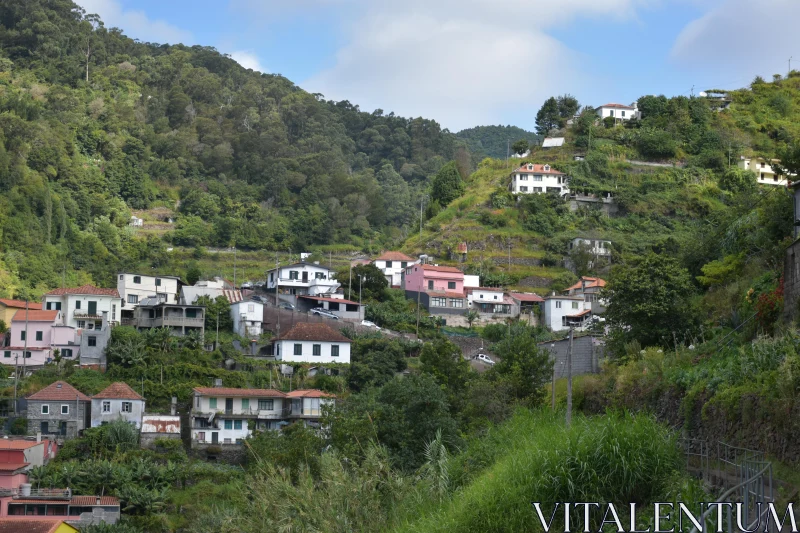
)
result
[(179, 318), (93, 345), (118, 401), (58, 410)]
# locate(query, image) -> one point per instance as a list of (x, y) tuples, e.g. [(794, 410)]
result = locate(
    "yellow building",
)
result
[(9, 307)]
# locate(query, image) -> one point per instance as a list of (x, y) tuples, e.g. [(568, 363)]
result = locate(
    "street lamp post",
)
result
[(360, 279)]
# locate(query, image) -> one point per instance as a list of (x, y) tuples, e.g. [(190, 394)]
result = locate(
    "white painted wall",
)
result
[(531, 182), (247, 317), (471, 280), (285, 352), (556, 308), (319, 280), (393, 270), (115, 411), (166, 288), (69, 307), (765, 174), (617, 113), (596, 246)]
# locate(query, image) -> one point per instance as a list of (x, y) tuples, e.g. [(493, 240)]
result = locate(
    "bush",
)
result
[(19, 426)]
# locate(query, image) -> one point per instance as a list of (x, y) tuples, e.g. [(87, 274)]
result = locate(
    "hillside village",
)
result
[(230, 305)]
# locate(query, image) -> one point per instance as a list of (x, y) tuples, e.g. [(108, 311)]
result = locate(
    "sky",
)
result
[(468, 63)]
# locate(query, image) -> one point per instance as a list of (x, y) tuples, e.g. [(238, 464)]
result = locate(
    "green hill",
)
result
[(495, 141)]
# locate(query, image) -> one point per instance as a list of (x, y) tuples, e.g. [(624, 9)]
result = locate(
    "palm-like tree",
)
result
[(36, 475)]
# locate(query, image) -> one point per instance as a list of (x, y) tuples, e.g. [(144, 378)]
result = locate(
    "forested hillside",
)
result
[(495, 141), (94, 124)]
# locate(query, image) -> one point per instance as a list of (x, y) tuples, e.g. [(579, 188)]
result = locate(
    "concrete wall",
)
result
[(587, 351), (75, 422), (284, 351), (116, 413)]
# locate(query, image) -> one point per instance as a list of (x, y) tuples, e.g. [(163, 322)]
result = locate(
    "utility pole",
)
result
[(277, 290), (555, 364), (692, 91), (360, 279), (790, 67), (509, 254), (569, 377), (16, 379), (234, 266), (419, 294), (508, 150), (350, 284), (25, 346), (217, 342)]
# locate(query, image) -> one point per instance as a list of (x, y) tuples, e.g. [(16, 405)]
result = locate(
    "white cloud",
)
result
[(461, 62), (136, 24), (248, 59), (750, 37)]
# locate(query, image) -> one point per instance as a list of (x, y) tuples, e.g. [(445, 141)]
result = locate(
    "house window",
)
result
[(7, 354), (251, 308), (45, 409), (22, 335), (133, 299), (237, 424), (92, 340), (335, 350), (388, 264), (558, 305), (451, 284), (66, 352), (430, 285), (523, 177), (127, 407), (212, 403), (266, 405), (191, 313), (298, 349), (245, 404), (574, 305), (137, 279), (438, 302), (229, 424), (537, 189), (523, 189), (319, 275), (495, 297), (201, 436), (81, 324), (457, 302), (351, 308), (316, 349), (65, 409), (294, 274), (610, 112), (158, 282), (39, 335), (77, 304), (333, 306), (121, 276), (106, 406), (537, 177), (114, 312), (622, 113), (403, 264), (91, 325)]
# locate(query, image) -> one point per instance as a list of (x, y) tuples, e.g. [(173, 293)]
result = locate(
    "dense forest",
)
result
[(94, 124), (495, 141)]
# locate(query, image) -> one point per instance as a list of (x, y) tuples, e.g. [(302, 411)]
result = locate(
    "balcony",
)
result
[(260, 414), (168, 321), (307, 413), (42, 494), (81, 314)]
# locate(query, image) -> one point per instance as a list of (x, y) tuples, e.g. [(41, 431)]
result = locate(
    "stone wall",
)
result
[(148, 440), (75, 422), (223, 453)]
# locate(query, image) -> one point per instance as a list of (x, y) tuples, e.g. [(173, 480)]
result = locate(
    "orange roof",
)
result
[(12, 467), (444, 294), (59, 391), (30, 524), (92, 500), (34, 316), (394, 256), (118, 391), (18, 444), (538, 169), (20, 304), (309, 393), (617, 105), (526, 297), (306, 331), (85, 289), (436, 268), (248, 393), (590, 283), (582, 313)]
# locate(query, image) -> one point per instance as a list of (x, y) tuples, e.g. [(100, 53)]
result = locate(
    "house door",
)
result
[(228, 405), (63, 431), (92, 308), (305, 277), (214, 437), (43, 427)]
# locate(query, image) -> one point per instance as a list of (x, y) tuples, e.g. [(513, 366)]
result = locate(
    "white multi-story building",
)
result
[(118, 401), (561, 312), (392, 264), (597, 247), (301, 279), (619, 112), (83, 307), (312, 343), (211, 288), (133, 288), (247, 317), (539, 179), (765, 174)]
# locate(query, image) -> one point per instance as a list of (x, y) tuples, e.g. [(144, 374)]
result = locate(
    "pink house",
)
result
[(17, 456), (441, 288), (38, 333)]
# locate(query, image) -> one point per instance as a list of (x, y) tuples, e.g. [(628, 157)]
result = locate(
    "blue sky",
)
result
[(476, 62)]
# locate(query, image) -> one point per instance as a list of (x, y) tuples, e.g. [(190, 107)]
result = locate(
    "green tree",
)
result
[(520, 147), (374, 362), (649, 302), (548, 117), (218, 309), (447, 184), (445, 362), (735, 180), (368, 278), (567, 107), (523, 365), (472, 315)]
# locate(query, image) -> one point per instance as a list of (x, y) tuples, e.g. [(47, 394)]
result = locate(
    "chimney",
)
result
[(38, 436), (173, 406)]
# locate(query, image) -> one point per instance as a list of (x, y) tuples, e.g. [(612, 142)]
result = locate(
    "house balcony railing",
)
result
[(261, 414), (310, 413), (168, 322), (42, 494), (81, 314)]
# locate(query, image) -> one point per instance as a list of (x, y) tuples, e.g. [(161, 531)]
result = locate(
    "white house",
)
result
[(312, 343), (134, 288), (115, 402), (211, 288), (537, 179), (597, 247), (83, 307), (619, 112), (589, 289), (392, 264), (136, 222), (561, 312), (247, 317), (302, 279), (491, 301), (765, 174)]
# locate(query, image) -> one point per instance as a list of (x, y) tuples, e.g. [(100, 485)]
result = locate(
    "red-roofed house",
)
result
[(31, 524), (46, 504), (58, 409), (17, 456), (492, 303), (441, 288), (117, 401), (618, 112), (392, 264), (36, 334), (334, 303), (539, 179), (83, 307), (308, 342), (9, 307), (589, 289)]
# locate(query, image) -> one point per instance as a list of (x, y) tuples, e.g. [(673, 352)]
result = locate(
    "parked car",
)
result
[(321, 311), (483, 358), (370, 324), (286, 305), (247, 285)]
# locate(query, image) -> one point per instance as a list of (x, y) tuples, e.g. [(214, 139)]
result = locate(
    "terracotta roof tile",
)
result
[(18, 444), (20, 304), (309, 393), (590, 283), (92, 500), (306, 331), (85, 289), (30, 524), (394, 256), (248, 393), (526, 297), (118, 391), (616, 106), (34, 316), (445, 294), (58, 391), (435, 268), (539, 169), (12, 467)]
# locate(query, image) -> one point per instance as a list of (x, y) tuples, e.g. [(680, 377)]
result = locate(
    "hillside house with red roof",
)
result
[(392, 264), (590, 289), (60, 410), (41, 505), (619, 112), (118, 401), (9, 307), (83, 307), (31, 524), (439, 289), (539, 179), (35, 335), (19, 455), (315, 343)]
